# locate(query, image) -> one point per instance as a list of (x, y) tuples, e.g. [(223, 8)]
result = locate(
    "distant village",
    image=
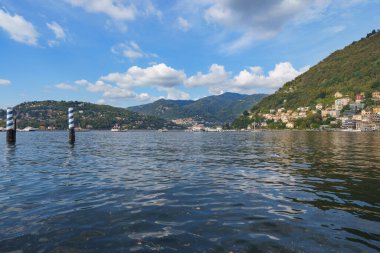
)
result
[(346, 114)]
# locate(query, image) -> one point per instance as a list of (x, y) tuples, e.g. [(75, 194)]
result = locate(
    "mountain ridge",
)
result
[(211, 110)]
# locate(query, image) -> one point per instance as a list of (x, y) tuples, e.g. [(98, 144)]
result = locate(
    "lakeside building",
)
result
[(357, 107), (185, 122), (376, 95), (338, 94), (376, 109), (341, 102), (359, 98), (198, 128), (367, 126), (319, 107), (353, 115)]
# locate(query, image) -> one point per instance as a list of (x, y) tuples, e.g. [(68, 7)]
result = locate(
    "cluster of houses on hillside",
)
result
[(349, 114)]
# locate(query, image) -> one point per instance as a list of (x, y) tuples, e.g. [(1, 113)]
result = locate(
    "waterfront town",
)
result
[(345, 113), (359, 114)]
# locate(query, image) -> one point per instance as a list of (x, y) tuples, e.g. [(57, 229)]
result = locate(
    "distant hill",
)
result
[(54, 113), (352, 70), (212, 110)]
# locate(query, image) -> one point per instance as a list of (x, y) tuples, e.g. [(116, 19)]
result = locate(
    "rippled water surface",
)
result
[(190, 192)]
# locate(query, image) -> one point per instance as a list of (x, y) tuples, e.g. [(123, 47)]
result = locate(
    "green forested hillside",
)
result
[(54, 114), (352, 70), (212, 110)]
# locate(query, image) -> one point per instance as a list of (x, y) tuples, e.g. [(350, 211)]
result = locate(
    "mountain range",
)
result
[(211, 110)]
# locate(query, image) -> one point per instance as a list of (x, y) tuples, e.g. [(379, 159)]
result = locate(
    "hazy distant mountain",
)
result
[(213, 110), (54, 114)]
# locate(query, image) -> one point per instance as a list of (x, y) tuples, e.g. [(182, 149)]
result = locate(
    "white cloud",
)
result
[(216, 76), (59, 33), (123, 85), (120, 26), (4, 82), (150, 9), (183, 24), (98, 86), (250, 80), (101, 102), (57, 30), (123, 93), (257, 19), (82, 82), (118, 92), (113, 8), (144, 97), (131, 50), (336, 29), (64, 86), (18, 28), (253, 78), (52, 43), (159, 75), (118, 10), (175, 94)]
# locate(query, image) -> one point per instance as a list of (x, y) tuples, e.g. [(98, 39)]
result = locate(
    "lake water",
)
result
[(190, 192)]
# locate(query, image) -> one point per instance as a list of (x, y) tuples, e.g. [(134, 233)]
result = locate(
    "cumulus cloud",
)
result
[(18, 28), (122, 85), (175, 94), (4, 82), (250, 80), (65, 86), (254, 78), (159, 75), (217, 75), (98, 86), (183, 24), (144, 97), (112, 8), (131, 50), (118, 92), (82, 82), (257, 19)]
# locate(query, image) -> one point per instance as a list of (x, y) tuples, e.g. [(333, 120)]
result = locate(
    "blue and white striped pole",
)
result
[(11, 126), (71, 126)]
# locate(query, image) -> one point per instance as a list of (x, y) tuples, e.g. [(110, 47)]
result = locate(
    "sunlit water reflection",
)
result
[(190, 192)]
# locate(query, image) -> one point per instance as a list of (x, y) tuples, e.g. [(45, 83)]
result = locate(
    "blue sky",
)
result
[(125, 53)]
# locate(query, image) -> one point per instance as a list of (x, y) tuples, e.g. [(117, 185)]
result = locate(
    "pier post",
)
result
[(11, 127), (71, 126)]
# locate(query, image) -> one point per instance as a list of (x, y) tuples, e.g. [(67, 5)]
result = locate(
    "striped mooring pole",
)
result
[(71, 126), (11, 127)]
